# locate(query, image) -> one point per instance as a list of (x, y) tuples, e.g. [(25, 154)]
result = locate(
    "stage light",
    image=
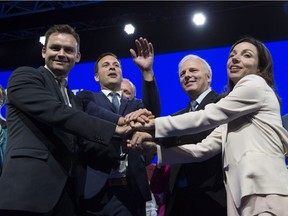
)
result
[(199, 19), (129, 29), (42, 40)]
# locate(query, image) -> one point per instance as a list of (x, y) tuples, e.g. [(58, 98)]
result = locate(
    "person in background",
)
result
[(248, 131), (3, 127), (120, 186), (44, 122), (128, 89), (201, 182)]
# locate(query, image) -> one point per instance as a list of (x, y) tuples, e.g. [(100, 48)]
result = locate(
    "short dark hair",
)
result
[(62, 28), (102, 56)]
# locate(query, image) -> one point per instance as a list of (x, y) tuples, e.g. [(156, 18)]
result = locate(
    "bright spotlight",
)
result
[(199, 19), (42, 40), (129, 29)]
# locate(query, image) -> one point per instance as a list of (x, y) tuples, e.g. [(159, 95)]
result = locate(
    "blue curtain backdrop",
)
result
[(172, 96)]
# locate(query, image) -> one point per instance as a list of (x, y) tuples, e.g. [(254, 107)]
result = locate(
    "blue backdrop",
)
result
[(172, 96)]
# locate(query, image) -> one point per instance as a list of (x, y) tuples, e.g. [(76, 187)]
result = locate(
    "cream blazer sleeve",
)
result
[(250, 99), (188, 153)]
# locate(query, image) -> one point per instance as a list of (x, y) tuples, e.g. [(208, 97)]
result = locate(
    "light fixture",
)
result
[(199, 19), (42, 40), (129, 29)]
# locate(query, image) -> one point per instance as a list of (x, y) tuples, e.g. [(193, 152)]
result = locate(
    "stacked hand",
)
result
[(141, 139), (141, 123), (135, 120), (141, 119)]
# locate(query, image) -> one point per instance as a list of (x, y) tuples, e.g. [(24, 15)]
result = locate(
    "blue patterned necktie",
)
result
[(115, 101), (194, 105)]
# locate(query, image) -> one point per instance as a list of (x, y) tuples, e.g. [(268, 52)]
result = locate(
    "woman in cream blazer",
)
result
[(249, 134)]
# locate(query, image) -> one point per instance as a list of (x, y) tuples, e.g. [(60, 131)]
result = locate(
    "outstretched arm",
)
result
[(144, 59)]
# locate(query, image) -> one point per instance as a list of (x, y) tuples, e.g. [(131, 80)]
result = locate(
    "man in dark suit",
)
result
[(120, 187), (195, 188), (42, 150)]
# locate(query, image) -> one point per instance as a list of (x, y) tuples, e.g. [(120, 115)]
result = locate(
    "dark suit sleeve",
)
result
[(99, 156), (151, 98), (85, 96), (34, 92), (94, 109)]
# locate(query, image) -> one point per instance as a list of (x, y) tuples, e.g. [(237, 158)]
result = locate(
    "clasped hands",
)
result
[(141, 125)]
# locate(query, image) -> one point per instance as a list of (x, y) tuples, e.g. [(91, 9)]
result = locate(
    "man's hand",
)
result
[(142, 116), (142, 140), (145, 58), (121, 121), (123, 130), (148, 126)]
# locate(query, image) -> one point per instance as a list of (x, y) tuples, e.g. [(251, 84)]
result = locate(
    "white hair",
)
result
[(207, 67), (132, 84)]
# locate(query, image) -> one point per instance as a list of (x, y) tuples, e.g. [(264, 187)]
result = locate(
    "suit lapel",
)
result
[(123, 104), (52, 84), (75, 102), (210, 98), (102, 100), (66, 138), (105, 101)]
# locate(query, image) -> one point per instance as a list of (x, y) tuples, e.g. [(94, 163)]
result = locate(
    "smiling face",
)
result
[(243, 60), (61, 53), (109, 73), (194, 77)]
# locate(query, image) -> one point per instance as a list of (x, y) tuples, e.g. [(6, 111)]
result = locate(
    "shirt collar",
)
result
[(106, 92), (203, 95), (56, 77)]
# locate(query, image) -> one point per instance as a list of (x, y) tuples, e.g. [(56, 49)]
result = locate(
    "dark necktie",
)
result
[(116, 105), (194, 105), (115, 101), (62, 85)]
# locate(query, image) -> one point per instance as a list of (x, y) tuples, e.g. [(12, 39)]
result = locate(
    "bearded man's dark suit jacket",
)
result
[(42, 143), (99, 105), (204, 193)]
